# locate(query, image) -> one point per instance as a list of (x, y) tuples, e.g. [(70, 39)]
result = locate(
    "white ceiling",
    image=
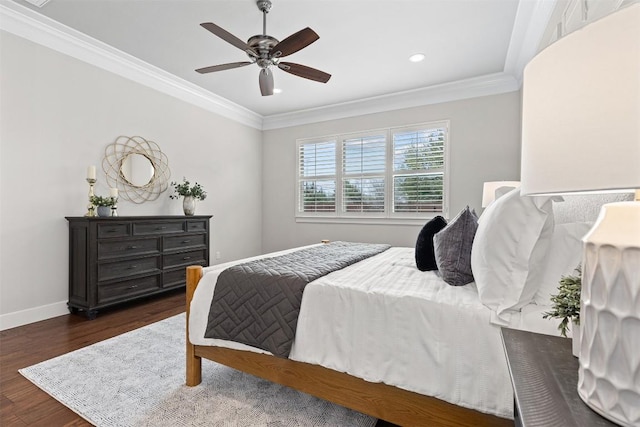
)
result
[(364, 44)]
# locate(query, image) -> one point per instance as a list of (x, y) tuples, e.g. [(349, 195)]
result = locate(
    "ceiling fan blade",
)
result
[(221, 67), (294, 43), (304, 71), (266, 82), (228, 37)]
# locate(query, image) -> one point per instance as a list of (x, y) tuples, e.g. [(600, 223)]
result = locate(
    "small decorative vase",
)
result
[(189, 205), (104, 211)]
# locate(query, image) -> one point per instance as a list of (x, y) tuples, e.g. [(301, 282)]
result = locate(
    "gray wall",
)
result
[(484, 146), (58, 115)]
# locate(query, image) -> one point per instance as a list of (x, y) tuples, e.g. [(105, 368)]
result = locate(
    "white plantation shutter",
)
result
[(418, 170), (317, 177), (363, 174), (388, 173)]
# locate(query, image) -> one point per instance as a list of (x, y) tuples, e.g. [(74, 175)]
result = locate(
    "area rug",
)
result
[(137, 379)]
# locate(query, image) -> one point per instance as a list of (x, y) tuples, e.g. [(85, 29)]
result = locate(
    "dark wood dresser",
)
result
[(118, 259)]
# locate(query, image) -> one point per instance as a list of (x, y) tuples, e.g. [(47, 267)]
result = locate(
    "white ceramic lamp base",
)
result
[(609, 372)]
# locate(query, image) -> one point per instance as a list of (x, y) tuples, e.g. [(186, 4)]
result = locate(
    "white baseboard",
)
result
[(31, 315)]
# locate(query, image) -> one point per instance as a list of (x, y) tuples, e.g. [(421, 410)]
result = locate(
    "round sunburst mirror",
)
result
[(137, 168)]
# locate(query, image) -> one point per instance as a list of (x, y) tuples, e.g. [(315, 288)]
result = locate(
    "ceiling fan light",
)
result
[(417, 57), (276, 91)]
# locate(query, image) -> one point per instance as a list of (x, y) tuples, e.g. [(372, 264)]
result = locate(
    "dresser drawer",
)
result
[(174, 278), (196, 225), (113, 230), (116, 270), (186, 241), (185, 258), (128, 288), (165, 227), (110, 249)]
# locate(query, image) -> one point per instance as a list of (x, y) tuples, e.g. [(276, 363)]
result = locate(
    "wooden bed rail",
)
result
[(398, 406)]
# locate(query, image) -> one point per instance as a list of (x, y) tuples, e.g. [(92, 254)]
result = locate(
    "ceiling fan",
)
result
[(266, 51)]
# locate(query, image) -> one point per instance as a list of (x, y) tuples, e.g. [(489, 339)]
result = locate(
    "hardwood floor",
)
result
[(24, 404)]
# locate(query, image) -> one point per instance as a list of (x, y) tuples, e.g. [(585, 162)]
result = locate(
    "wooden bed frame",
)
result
[(378, 400)]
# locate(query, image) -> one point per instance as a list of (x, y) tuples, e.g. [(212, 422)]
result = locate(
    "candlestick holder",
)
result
[(114, 207), (91, 209)]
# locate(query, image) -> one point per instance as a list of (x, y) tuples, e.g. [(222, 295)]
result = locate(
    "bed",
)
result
[(402, 345)]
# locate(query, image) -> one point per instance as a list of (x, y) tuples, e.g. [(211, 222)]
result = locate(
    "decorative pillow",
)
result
[(564, 255), (452, 247), (509, 251), (425, 258)]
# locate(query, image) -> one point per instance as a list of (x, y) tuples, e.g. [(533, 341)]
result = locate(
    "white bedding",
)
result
[(383, 320)]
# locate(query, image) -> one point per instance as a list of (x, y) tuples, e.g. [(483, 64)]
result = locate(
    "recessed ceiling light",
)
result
[(417, 57), (277, 91)]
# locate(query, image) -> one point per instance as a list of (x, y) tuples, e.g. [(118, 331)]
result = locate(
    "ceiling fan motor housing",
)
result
[(262, 44)]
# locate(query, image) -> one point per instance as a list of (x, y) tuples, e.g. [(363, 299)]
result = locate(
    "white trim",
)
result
[(31, 315), (491, 84), (530, 24), (25, 23), (363, 221)]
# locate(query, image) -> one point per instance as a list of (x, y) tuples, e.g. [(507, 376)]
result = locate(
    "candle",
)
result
[(91, 172), (113, 192)]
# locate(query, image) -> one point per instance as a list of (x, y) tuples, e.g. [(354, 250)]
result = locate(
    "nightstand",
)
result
[(544, 375)]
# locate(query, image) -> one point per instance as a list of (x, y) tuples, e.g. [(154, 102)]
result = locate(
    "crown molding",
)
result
[(491, 84), (532, 19), (28, 24)]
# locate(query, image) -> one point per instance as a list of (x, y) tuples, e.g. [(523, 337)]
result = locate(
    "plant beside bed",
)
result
[(566, 304)]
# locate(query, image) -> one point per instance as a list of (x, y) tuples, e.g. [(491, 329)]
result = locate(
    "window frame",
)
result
[(387, 216)]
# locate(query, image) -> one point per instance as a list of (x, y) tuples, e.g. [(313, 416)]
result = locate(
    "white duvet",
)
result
[(383, 320)]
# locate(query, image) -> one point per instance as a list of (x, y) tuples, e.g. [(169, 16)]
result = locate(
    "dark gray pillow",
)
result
[(425, 257), (452, 247)]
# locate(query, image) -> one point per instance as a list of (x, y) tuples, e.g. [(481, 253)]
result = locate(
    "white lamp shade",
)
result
[(581, 110), (490, 190)]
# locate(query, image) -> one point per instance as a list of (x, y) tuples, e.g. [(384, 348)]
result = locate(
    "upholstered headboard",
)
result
[(586, 207)]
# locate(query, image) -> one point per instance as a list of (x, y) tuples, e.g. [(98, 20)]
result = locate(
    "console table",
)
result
[(544, 375), (118, 259)]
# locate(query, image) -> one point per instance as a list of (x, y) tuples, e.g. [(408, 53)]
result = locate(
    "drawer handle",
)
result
[(131, 267), (186, 258), (112, 230), (161, 228), (132, 287), (132, 247), (185, 241)]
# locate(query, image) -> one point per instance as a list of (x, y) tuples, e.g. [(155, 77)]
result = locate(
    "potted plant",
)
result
[(566, 306), (103, 204), (191, 193)]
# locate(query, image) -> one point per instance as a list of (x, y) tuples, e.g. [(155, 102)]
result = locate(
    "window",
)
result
[(317, 183), (388, 173), (418, 170)]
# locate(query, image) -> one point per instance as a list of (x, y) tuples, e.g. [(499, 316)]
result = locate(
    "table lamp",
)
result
[(581, 133)]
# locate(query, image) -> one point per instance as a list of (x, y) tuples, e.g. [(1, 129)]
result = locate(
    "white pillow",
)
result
[(509, 251), (565, 254)]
